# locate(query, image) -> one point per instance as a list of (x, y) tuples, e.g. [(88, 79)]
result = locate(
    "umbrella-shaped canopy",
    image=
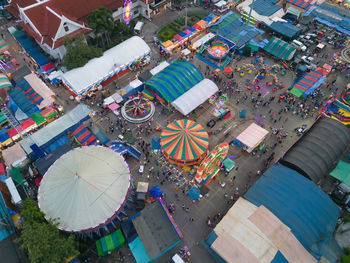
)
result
[(85, 188), (184, 141), (194, 192)]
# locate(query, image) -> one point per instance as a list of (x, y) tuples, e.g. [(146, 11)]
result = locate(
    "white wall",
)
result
[(61, 32)]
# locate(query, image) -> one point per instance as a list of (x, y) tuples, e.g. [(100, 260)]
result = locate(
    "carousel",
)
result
[(138, 110), (184, 142)]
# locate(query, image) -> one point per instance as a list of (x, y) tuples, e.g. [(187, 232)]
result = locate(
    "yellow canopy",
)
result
[(167, 43)]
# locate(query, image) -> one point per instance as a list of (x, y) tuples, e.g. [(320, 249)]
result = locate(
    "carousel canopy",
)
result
[(184, 141), (84, 188)]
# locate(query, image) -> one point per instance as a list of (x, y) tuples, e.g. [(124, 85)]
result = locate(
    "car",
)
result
[(141, 169), (299, 45), (307, 60)]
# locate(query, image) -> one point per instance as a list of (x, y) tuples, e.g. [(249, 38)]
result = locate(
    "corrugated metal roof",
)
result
[(315, 153), (301, 205)]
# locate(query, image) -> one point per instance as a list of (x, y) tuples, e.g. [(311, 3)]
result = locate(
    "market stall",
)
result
[(251, 137)]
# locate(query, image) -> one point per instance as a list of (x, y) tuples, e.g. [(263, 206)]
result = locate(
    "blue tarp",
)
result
[(156, 192), (332, 17), (314, 87), (3, 135), (265, 7), (301, 205), (22, 101), (31, 49), (238, 32), (57, 144), (155, 143), (194, 193), (102, 137), (285, 29)]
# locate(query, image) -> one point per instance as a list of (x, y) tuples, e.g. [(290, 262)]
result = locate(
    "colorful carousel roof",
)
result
[(184, 141)]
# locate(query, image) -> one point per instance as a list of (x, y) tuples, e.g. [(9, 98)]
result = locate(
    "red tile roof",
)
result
[(13, 9), (43, 16)]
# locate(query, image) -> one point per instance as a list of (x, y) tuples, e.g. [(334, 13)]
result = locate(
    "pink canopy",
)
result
[(252, 135)]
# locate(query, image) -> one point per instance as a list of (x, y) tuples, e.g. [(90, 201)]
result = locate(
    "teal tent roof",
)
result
[(342, 172), (280, 48), (175, 80)]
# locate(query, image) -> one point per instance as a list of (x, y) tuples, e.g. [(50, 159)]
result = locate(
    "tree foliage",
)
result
[(42, 240), (102, 23), (79, 52)]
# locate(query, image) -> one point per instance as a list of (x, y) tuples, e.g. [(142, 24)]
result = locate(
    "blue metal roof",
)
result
[(265, 7), (302, 206)]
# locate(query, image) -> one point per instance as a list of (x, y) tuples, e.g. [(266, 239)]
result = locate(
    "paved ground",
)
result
[(198, 230)]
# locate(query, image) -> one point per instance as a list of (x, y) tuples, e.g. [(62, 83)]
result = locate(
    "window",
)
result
[(65, 26)]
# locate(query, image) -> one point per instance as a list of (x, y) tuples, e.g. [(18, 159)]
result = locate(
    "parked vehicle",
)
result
[(299, 45), (307, 60)]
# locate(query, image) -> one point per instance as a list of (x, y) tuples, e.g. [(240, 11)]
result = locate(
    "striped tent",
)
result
[(279, 48), (5, 82), (174, 80), (184, 142), (245, 16), (308, 83), (110, 243), (83, 136), (301, 4)]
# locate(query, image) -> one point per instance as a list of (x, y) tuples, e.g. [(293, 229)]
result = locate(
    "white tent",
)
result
[(42, 89), (220, 4), (203, 40), (56, 127), (85, 188), (159, 68), (194, 97), (99, 69)]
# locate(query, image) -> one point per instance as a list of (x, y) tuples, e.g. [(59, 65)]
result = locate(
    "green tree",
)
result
[(101, 21), (42, 240), (31, 212), (79, 52)]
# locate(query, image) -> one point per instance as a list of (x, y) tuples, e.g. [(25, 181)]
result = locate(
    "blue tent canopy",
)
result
[(302, 206), (156, 192)]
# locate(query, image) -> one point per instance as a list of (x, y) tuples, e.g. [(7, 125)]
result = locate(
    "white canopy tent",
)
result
[(112, 61), (159, 68), (56, 127), (203, 40), (194, 97), (85, 188)]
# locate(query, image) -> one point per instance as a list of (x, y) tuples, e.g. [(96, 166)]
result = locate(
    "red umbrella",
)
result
[(228, 70)]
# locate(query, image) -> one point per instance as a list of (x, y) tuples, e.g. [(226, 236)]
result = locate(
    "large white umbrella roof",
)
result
[(84, 188)]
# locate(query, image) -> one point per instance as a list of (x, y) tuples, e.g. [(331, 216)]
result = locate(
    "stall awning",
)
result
[(342, 172), (252, 135)]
